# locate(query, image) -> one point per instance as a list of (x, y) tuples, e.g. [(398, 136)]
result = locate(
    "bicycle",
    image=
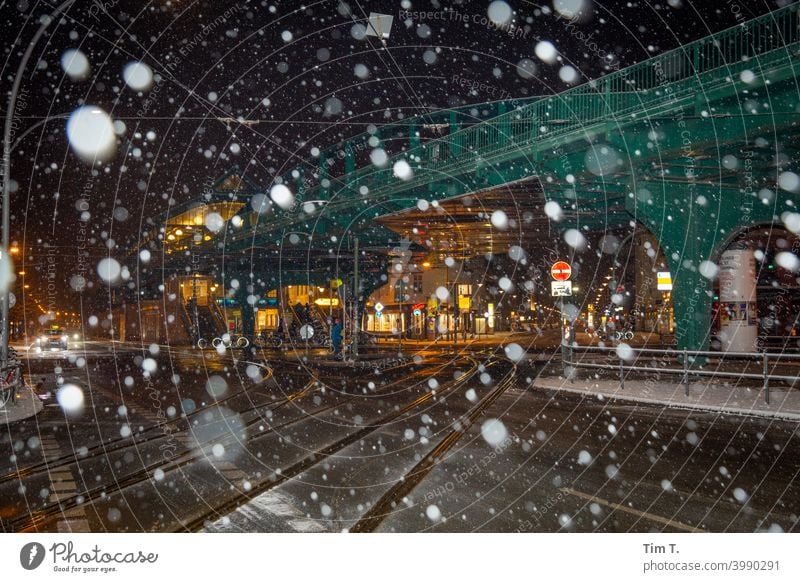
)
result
[(625, 334), (229, 341), (271, 340), (11, 379)]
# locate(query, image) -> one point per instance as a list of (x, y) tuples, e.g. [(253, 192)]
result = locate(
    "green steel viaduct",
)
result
[(694, 145)]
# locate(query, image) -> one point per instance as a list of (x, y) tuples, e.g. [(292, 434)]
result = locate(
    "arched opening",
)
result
[(756, 301), (636, 291)]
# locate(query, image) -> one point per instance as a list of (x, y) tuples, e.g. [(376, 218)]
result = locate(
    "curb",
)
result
[(620, 394), (25, 408)]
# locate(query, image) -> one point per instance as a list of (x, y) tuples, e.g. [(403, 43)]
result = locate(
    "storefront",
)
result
[(388, 320), (417, 320), (267, 314)]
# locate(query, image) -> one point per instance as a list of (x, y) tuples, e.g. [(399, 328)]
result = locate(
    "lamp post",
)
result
[(447, 306), (356, 296), (400, 321), (452, 307)]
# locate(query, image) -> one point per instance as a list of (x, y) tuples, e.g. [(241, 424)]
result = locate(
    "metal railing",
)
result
[(188, 324), (10, 379), (687, 369), (217, 314)]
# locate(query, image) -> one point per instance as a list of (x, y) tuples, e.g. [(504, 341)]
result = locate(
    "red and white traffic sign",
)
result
[(561, 271)]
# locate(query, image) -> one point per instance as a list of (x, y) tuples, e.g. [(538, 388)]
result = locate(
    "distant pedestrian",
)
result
[(336, 338)]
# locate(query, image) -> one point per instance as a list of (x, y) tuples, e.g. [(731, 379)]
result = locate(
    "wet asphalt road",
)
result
[(314, 446)]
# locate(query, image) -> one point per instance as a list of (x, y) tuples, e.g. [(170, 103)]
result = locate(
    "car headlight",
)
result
[(43, 339), (64, 338), (75, 336)]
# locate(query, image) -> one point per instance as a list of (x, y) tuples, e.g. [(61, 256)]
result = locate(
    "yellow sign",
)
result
[(464, 302), (663, 281), (336, 283), (327, 302)]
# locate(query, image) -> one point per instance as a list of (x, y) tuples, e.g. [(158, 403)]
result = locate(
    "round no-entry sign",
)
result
[(560, 271)]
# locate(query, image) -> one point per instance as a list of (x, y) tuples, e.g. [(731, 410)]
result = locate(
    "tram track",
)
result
[(120, 443), (380, 510), (186, 458), (320, 455)]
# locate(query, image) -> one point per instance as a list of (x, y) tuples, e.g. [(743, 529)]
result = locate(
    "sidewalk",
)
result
[(27, 405), (547, 338), (709, 397)]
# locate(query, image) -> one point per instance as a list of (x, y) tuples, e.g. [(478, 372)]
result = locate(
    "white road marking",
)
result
[(270, 503), (63, 486), (630, 510)]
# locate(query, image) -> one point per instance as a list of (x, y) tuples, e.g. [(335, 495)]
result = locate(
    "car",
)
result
[(54, 339)]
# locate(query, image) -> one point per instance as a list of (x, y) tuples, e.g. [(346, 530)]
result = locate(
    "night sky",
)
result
[(300, 76)]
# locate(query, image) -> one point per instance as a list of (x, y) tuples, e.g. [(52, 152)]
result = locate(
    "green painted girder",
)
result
[(315, 237), (722, 135), (635, 148), (596, 222), (604, 105), (528, 152), (678, 79), (585, 201), (482, 177), (707, 132), (600, 210), (516, 169), (670, 155), (591, 206)]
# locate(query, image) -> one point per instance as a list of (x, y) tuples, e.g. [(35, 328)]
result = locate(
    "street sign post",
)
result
[(561, 286)]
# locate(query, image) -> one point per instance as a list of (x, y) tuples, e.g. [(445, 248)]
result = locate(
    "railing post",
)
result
[(413, 135), (621, 374), (349, 164), (766, 377), (686, 371), (571, 360)]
